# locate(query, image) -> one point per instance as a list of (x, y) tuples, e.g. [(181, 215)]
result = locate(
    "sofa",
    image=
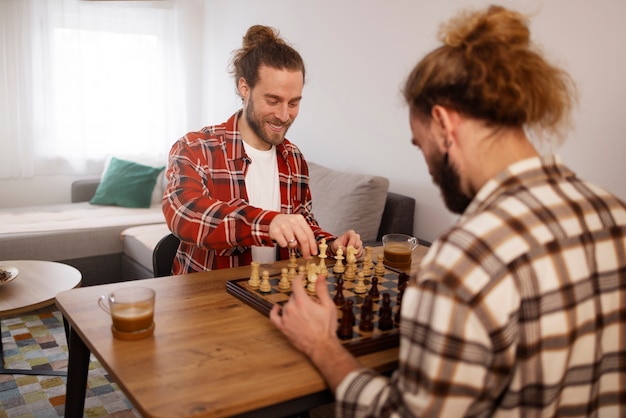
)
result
[(110, 243)]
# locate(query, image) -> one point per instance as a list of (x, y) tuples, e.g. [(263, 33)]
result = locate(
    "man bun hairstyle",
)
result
[(488, 69), (262, 45)]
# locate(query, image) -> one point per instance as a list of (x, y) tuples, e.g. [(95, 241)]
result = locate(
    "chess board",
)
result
[(361, 342)]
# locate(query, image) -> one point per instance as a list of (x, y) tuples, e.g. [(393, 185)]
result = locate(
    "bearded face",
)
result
[(449, 182), (269, 129)]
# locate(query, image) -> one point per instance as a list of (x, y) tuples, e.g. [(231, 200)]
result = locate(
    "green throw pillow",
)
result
[(126, 184)]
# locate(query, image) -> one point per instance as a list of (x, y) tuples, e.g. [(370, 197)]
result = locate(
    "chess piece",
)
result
[(351, 316), (369, 257), (292, 273), (374, 293), (322, 248), (401, 287), (379, 270), (367, 266), (344, 331), (350, 272), (339, 267), (284, 283), (359, 287), (403, 278), (323, 270), (293, 262), (339, 299), (266, 286), (302, 270), (255, 280), (312, 278), (385, 320), (366, 323), (351, 255)]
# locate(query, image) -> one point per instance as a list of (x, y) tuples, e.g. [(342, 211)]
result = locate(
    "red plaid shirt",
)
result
[(206, 203)]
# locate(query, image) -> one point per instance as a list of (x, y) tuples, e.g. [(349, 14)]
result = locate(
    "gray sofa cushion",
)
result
[(344, 201)]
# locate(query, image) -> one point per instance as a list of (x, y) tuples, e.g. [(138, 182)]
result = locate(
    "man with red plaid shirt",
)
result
[(238, 190)]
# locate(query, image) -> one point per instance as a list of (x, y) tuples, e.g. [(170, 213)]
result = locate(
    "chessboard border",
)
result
[(361, 346)]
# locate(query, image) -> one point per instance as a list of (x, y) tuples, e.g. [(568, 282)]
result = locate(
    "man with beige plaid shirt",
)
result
[(519, 309)]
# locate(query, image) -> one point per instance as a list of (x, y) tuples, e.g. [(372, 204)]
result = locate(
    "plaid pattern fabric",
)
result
[(206, 204), (518, 310)]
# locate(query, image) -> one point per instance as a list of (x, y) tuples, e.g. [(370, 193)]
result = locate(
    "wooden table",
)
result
[(35, 287), (210, 355)]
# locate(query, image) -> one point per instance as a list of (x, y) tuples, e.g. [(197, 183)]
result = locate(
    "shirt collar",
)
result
[(529, 170)]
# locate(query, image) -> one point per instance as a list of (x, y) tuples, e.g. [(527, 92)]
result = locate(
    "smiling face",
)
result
[(271, 106), (444, 175)]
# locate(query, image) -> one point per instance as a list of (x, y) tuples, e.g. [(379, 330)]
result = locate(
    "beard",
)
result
[(258, 123), (449, 182)]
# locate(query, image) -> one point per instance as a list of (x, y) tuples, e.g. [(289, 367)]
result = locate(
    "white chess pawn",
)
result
[(284, 283), (266, 286), (359, 287)]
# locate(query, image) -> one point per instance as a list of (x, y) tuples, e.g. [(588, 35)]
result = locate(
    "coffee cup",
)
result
[(131, 310), (397, 250)]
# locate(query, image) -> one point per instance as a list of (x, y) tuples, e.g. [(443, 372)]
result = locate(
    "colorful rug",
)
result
[(37, 341)]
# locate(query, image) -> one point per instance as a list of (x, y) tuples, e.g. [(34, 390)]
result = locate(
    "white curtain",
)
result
[(81, 80)]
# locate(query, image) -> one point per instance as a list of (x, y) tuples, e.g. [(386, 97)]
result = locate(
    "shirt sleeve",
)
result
[(444, 365)]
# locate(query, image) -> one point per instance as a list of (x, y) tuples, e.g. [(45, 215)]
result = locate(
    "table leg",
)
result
[(77, 371), (29, 372)]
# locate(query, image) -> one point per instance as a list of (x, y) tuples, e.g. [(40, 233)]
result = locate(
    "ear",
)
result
[(444, 121), (243, 88)]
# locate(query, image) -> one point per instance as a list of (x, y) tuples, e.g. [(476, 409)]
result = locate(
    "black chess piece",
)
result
[(350, 304), (367, 315), (344, 331), (402, 278), (374, 293), (385, 321), (401, 288), (339, 299)]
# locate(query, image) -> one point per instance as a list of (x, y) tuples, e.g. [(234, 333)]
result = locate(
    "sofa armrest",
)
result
[(83, 190), (398, 215)]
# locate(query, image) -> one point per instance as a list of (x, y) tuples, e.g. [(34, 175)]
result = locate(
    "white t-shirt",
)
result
[(263, 191)]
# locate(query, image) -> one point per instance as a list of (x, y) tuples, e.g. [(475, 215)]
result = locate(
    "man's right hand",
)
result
[(293, 231)]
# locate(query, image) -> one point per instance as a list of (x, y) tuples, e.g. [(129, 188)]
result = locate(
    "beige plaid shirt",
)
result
[(518, 310)]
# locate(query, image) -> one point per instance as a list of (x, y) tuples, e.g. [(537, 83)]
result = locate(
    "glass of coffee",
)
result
[(131, 310), (398, 249)]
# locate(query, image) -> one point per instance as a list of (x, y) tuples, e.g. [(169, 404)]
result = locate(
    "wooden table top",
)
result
[(210, 355), (36, 285)]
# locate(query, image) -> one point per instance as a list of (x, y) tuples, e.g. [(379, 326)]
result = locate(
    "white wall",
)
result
[(358, 53)]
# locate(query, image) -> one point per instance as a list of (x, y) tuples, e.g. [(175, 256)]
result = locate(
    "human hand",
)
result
[(307, 323), (293, 231), (347, 239)]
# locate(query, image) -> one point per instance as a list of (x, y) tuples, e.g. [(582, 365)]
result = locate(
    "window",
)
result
[(96, 78)]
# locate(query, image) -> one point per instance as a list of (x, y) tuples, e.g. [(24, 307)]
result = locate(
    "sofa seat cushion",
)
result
[(68, 231), (140, 241), (343, 201)]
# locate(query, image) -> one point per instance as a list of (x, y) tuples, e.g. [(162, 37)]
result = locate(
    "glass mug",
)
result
[(398, 249), (131, 310)]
